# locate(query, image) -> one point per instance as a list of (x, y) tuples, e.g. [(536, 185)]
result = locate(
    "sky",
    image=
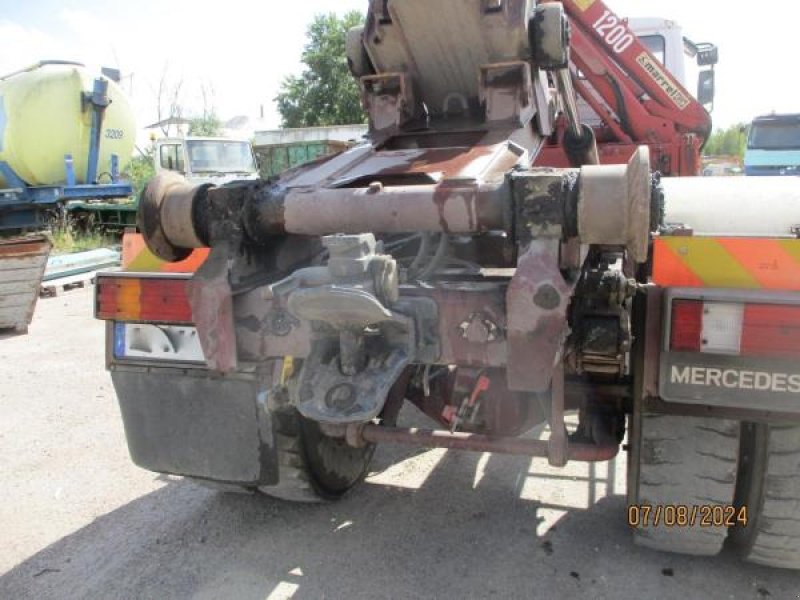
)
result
[(241, 49)]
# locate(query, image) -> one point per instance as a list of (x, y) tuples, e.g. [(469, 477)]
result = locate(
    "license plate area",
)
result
[(161, 343)]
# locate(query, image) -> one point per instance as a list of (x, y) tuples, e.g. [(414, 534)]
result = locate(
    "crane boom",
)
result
[(638, 100)]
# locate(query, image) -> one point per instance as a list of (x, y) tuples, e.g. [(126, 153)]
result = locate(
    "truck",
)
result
[(215, 160), (64, 135), (443, 265), (773, 146)]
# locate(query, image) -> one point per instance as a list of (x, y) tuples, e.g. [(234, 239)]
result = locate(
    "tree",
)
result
[(209, 124), (731, 141), (141, 169), (169, 100), (325, 93)]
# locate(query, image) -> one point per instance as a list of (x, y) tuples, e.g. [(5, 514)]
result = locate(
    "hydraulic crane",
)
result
[(638, 101)]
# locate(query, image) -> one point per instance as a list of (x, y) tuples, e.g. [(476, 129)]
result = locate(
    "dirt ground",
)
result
[(79, 520)]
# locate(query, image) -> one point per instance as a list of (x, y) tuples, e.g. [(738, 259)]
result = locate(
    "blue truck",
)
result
[(773, 146)]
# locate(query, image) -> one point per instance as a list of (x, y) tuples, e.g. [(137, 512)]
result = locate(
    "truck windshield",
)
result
[(220, 156), (775, 135)]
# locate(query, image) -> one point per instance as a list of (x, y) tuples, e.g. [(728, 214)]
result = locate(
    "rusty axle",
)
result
[(359, 434)]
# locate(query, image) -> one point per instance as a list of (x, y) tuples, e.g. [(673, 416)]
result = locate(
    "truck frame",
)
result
[(441, 265)]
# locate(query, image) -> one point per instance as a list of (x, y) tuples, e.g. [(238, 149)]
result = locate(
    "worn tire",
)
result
[(685, 461), (313, 467), (769, 486)]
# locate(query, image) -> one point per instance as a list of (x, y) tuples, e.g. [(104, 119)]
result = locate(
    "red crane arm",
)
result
[(611, 40)]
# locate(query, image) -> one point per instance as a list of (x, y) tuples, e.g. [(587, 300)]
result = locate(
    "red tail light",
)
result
[(687, 326), (771, 330), (766, 330), (156, 300)]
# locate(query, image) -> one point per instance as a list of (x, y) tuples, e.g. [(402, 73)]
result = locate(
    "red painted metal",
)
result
[(667, 97), (647, 105)]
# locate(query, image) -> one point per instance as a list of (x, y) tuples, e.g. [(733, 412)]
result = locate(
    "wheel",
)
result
[(684, 461), (549, 35), (769, 486), (313, 467)]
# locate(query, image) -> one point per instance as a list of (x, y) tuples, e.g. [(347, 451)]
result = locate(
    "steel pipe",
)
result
[(376, 434), (449, 209), (734, 206)]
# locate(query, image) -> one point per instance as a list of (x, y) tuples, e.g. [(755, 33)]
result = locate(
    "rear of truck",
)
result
[(716, 424), (274, 340)]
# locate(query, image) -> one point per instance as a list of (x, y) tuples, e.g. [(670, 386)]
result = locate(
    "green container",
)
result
[(274, 160)]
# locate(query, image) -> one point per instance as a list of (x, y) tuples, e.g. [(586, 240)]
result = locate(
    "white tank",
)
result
[(734, 206)]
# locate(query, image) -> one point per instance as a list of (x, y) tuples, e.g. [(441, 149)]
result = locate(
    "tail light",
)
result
[(687, 326), (746, 329), (143, 300)]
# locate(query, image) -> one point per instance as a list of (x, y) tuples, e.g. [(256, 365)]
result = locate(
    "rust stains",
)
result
[(24, 247)]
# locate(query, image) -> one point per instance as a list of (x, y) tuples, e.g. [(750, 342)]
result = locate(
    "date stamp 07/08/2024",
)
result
[(682, 515)]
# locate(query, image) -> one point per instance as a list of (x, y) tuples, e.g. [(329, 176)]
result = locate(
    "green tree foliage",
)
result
[(731, 141), (141, 170), (208, 125), (325, 93)]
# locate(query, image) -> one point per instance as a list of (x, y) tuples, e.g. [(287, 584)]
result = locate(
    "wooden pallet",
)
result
[(57, 287), (22, 264)]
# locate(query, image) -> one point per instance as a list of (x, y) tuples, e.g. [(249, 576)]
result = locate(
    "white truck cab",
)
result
[(682, 57), (206, 159)]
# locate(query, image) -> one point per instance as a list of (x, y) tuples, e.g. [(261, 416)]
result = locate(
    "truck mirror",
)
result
[(707, 55), (706, 87)]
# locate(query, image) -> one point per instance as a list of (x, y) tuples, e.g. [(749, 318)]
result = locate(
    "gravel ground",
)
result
[(78, 520)]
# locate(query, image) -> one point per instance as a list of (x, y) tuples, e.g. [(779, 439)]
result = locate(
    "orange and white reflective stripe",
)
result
[(743, 263), (136, 257)]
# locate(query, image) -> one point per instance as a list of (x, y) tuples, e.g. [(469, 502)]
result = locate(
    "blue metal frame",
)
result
[(99, 101), (21, 205)]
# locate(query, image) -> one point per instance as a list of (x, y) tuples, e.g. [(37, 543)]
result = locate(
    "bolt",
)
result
[(341, 397), (547, 297), (280, 325)]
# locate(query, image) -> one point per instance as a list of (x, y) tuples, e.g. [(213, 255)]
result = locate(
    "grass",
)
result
[(69, 237)]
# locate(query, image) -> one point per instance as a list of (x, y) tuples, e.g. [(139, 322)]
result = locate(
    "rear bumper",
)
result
[(193, 424)]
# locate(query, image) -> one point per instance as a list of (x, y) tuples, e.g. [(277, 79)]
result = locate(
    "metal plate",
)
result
[(725, 380), (140, 341)]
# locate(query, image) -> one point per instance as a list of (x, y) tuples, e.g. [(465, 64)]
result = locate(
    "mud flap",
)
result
[(198, 425)]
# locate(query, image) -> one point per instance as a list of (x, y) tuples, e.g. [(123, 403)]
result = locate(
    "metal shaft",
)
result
[(567, 91), (481, 443), (579, 141)]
